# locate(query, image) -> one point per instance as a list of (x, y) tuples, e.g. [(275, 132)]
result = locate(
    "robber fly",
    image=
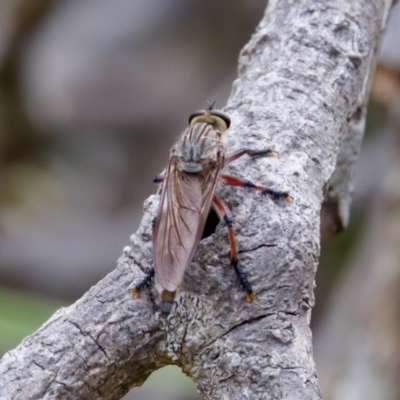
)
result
[(194, 170)]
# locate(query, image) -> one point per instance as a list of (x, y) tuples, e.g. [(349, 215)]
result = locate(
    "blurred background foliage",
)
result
[(92, 95)]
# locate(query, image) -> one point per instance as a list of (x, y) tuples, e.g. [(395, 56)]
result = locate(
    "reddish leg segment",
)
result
[(275, 194), (223, 212)]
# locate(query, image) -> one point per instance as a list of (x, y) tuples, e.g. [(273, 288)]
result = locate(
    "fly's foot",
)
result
[(145, 282), (262, 153), (250, 297), (135, 292), (278, 195)]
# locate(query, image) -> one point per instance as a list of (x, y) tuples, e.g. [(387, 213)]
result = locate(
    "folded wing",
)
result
[(184, 206)]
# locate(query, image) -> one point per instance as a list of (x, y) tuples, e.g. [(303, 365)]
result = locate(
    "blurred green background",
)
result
[(92, 94), (22, 313)]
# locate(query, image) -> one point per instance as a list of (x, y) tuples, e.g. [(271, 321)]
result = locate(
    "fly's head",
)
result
[(219, 120)]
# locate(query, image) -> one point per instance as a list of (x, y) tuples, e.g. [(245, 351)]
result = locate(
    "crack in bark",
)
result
[(246, 322), (85, 365), (87, 334), (64, 385), (38, 365), (256, 248)]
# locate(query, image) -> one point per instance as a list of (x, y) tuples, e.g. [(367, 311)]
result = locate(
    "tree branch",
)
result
[(302, 78)]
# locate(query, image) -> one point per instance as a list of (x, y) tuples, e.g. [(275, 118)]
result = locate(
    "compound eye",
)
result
[(225, 117), (195, 114)]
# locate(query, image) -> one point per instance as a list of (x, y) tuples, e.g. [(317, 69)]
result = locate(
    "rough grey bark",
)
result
[(303, 76), (338, 195), (358, 339)]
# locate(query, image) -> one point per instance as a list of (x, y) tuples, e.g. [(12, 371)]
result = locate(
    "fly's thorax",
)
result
[(199, 148)]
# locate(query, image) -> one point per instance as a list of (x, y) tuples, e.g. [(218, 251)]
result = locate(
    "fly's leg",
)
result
[(147, 279), (145, 282), (235, 181), (159, 178), (274, 194), (224, 214), (252, 153), (152, 299)]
